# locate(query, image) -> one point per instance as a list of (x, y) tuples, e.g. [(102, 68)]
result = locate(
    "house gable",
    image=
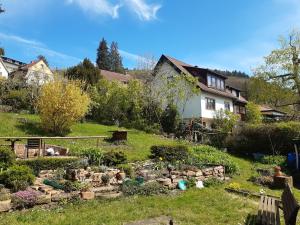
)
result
[(3, 70)]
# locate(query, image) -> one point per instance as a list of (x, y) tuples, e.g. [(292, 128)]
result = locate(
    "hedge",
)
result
[(49, 163), (273, 138)]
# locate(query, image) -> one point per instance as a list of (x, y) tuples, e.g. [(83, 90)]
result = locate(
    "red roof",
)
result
[(109, 75)]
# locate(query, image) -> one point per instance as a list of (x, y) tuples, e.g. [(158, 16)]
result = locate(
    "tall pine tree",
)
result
[(103, 61), (116, 64)]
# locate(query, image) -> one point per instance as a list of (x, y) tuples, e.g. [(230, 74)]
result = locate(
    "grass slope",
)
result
[(207, 206), (137, 147)]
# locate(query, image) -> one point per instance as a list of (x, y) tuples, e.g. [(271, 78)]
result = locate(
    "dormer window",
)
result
[(215, 82)]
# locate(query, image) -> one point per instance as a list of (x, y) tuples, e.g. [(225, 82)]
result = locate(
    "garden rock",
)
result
[(165, 181), (5, 206)]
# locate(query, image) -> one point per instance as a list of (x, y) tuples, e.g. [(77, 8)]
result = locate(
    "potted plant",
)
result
[(5, 199), (105, 179), (86, 193)]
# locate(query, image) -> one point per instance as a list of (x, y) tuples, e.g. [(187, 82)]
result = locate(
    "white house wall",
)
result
[(3, 71), (195, 106), (220, 104)]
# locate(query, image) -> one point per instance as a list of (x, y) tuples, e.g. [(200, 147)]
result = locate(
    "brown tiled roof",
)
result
[(30, 64), (116, 76), (266, 108), (181, 66)]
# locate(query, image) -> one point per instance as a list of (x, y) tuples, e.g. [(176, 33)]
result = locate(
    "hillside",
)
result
[(137, 147)]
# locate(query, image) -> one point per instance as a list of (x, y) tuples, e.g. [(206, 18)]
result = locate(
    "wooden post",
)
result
[(97, 144), (297, 156)]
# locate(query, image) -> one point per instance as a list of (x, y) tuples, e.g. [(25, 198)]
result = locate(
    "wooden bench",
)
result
[(34, 143), (268, 212)]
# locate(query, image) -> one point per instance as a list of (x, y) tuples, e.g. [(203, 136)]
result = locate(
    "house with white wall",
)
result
[(36, 72), (3, 70), (214, 93)]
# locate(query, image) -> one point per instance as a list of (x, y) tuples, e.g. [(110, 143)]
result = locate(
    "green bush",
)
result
[(128, 170), (17, 177), (114, 158), (210, 155), (148, 189), (279, 160), (169, 153), (7, 157), (273, 138), (50, 163), (94, 155), (170, 119), (212, 182)]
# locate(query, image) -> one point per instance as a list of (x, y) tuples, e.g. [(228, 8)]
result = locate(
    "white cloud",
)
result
[(35, 48), (101, 7), (144, 11)]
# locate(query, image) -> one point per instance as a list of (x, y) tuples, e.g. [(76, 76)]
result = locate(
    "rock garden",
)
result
[(97, 174)]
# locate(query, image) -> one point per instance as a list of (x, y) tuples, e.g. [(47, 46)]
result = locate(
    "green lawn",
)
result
[(137, 147), (209, 206)]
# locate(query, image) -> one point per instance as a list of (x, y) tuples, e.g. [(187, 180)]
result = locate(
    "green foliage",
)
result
[(116, 64), (224, 121), (70, 186), (103, 60), (235, 186), (151, 188), (170, 119), (269, 93), (17, 177), (7, 157), (18, 99), (85, 72), (253, 114), (113, 158), (274, 138), (42, 163), (212, 182), (105, 179), (127, 168), (93, 154), (209, 155), (274, 160), (169, 153)]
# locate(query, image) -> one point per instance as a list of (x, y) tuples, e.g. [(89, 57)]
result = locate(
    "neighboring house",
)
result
[(36, 72), (113, 76), (215, 93), (270, 113), (3, 70), (12, 64)]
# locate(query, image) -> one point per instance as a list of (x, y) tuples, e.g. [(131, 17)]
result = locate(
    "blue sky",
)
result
[(221, 34)]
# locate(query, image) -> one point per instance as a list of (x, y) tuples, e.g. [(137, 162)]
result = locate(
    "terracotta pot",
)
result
[(87, 195), (5, 205), (120, 176), (277, 170)]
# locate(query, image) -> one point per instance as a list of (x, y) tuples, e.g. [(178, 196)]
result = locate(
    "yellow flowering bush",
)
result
[(60, 105)]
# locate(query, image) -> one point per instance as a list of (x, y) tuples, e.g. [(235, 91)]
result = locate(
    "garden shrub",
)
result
[(273, 138), (7, 157), (50, 163), (148, 189), (105, 179), (53, 184), (4, 193), (93, 154), (128, 170), (274, 160), (170, 119), (169, 153), (210, 155), (114, 158), (212, 182), (235, 186), (17, 177)]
